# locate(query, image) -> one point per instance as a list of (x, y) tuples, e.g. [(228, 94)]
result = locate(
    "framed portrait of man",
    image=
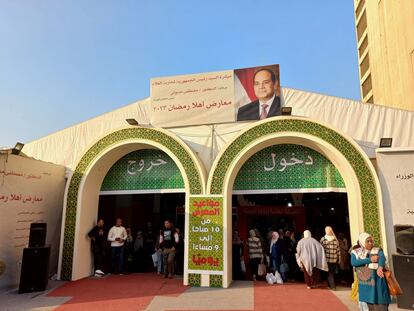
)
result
[(257, 92)]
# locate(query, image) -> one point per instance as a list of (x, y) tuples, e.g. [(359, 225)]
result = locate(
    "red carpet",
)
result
[(126, 292), (135, 292), (290, 297)]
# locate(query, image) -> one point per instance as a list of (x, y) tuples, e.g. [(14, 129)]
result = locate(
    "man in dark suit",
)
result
[(268, 103)]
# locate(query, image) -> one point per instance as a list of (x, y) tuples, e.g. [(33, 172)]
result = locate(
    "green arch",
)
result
[(94, 152), (369, 195)]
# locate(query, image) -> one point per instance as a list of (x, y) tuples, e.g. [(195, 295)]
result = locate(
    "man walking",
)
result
[(117, 236), (168, 241)]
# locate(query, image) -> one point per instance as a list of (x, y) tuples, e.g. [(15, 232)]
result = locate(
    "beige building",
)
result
[(385, 40)]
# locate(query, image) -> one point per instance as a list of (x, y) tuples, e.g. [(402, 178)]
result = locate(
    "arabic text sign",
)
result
[(205, 244), (146, 169), (193, 99), (397, 180), (288, 166), (30, 191)]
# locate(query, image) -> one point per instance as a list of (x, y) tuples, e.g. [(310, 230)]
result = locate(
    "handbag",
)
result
[(261, 270), (392, 283), (284, 267)]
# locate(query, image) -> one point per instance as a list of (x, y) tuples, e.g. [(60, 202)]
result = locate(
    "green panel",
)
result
[(287, 167), (205, 237), (216, 280), (143, 170), (194, 279)]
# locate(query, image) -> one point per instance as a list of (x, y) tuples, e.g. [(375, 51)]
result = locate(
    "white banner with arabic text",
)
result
[(30, 191)]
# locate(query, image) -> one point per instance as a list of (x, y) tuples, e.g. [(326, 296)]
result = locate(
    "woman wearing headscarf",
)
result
[(276, 251), (310, 256), (369, 262), (333, 254), (255, 252)]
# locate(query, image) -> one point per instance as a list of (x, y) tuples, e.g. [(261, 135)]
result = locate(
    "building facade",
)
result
[(385, 45), (212, 165)]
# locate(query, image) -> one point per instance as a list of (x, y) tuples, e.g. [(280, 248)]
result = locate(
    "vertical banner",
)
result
[(205, 243), (396, 170), (396, 174)]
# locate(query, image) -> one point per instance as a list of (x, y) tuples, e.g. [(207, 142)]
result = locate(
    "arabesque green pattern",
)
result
[(138, 133), (366, 180), (287, 166)]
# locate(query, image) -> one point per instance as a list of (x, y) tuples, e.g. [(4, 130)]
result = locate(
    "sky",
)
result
[(64, 62)]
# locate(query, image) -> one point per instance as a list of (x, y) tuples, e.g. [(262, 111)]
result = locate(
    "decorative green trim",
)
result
[(216, 280), (366, 180), (194, 279), (190, 167)]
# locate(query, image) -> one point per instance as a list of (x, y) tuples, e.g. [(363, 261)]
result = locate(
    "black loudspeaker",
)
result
[(404, 273), (37, 236), (34, 274), (404, 239)]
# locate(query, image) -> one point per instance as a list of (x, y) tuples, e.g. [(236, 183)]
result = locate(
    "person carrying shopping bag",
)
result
[(255, 253)]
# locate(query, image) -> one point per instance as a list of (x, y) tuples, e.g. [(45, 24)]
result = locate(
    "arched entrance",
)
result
[(82, 192), (361, 181), (286, 188)]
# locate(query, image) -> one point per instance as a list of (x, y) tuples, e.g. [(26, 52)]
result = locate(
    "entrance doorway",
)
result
[(289, 215), (136, 212)]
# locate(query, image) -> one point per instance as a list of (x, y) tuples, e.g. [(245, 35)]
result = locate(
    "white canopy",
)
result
[(365, 123)]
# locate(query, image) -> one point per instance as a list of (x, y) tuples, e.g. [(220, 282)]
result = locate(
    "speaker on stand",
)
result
[(404, 273), (34, 274), (403, 263)]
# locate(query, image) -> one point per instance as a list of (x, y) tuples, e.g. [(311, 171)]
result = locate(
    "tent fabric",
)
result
[(365, 123), (60, 148)]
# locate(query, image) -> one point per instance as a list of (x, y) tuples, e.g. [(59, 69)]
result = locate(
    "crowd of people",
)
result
[(282, 251), (118, 251), (331, 254)]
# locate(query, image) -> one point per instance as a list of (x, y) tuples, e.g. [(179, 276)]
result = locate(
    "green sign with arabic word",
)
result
[(288, 166), (146, 169)]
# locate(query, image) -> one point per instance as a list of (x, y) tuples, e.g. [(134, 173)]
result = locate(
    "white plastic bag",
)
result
[(243, 266), (362, 306), (270, 279), (155, 259), (273, 278), (278, 278)]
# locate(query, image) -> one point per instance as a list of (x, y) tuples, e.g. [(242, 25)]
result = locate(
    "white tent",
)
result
[(366, 123)]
